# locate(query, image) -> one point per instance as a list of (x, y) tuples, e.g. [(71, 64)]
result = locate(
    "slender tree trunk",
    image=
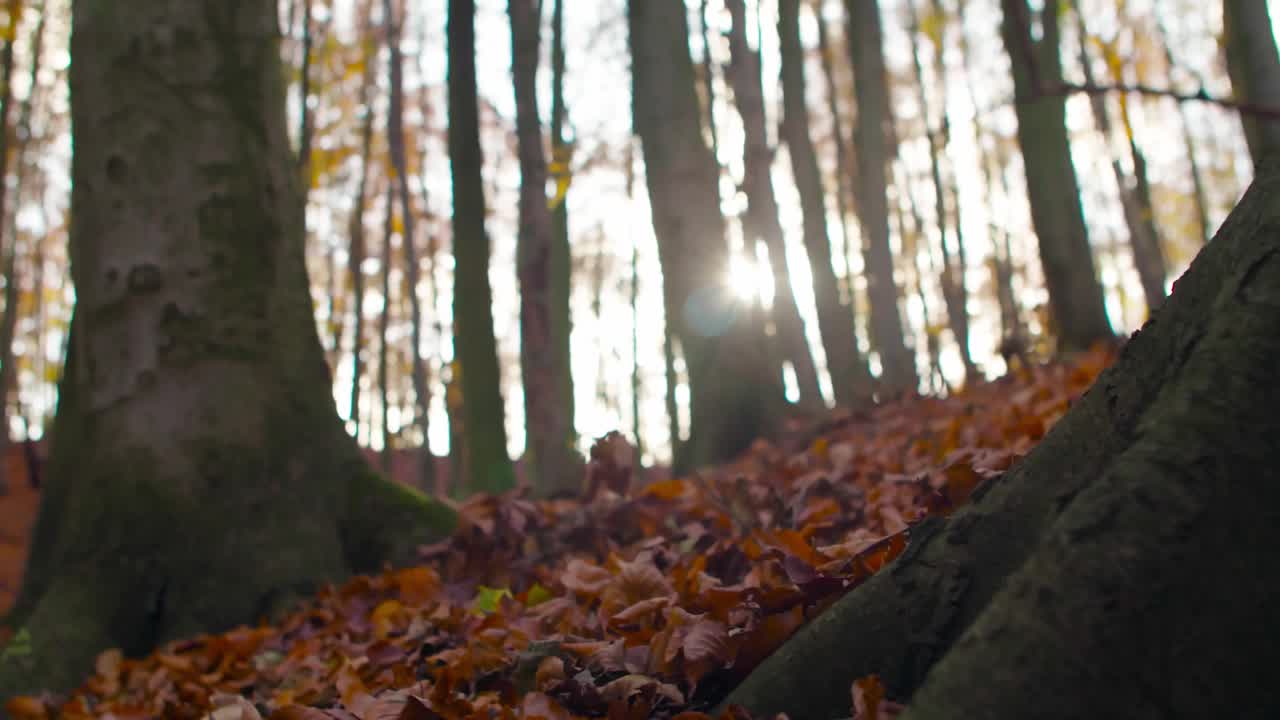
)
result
[(761, 220), (550, 462), (355, 227), (304, 93), (400, 167), (1254, 67), (735, 393), (1070, 570), (489, 465), (384, 322), (10, 253), (850, 378), (952, 279), (561, 252), (898, 369), (913, 243), (845, 169), (1198, 195), (193, 314), (1011, 330), (708, 79), (1075, 295), (1139, 215)]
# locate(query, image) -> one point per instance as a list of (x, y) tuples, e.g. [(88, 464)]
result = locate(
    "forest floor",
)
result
[(630, 602)]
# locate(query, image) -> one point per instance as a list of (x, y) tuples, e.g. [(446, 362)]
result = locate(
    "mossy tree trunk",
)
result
[(197, 448), (475, 348), (735, 395), (1075, 295), (1126, 566)]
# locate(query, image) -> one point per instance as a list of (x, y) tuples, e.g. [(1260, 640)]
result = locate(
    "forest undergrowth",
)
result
[(629, 602)]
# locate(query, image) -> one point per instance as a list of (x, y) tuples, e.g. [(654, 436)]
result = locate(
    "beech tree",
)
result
[(1125, 567), (199, 477), (1254, 66)]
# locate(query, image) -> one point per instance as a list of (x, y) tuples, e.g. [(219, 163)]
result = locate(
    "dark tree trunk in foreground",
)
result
[(871, 145), (551, 464), (475, 348), (761, 219), (193, 316), (734, 393), (850, 379), (1075, 295), (1126, 566), (1254, 66)]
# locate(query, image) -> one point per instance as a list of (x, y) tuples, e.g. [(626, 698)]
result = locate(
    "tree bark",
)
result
[(1075, 295), (488, 465), (1130, 553), (761, 219), (193, 315), (551, 464), (870, 139), (1254, 67), (734, 392), (850, 378)]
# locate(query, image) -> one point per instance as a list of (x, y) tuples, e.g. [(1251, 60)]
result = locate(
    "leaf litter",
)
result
[(626, 603)]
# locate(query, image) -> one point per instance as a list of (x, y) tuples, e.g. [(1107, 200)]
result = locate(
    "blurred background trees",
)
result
[(814, 202)]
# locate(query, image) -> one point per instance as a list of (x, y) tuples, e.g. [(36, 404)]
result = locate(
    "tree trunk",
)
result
[(850, 378), (384, 322), (561, 253), (870, 139), (1130, 553), (551, 465), (489, 465), (1139, 216), (844, 167), (1198, 195), (400, 166), (734, 392), (193, 315), (1075, 295), (708, 85), (1254, 67), (10, 318), (952, 278), (761, 220), (356, 226)]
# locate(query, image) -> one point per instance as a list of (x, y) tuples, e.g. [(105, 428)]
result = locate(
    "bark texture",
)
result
[(193, 315), (488, 465), (850, 379), (734, 392), (1075, 295), (1254, 67), (1125, 567), (871, 145), (551, 462)]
